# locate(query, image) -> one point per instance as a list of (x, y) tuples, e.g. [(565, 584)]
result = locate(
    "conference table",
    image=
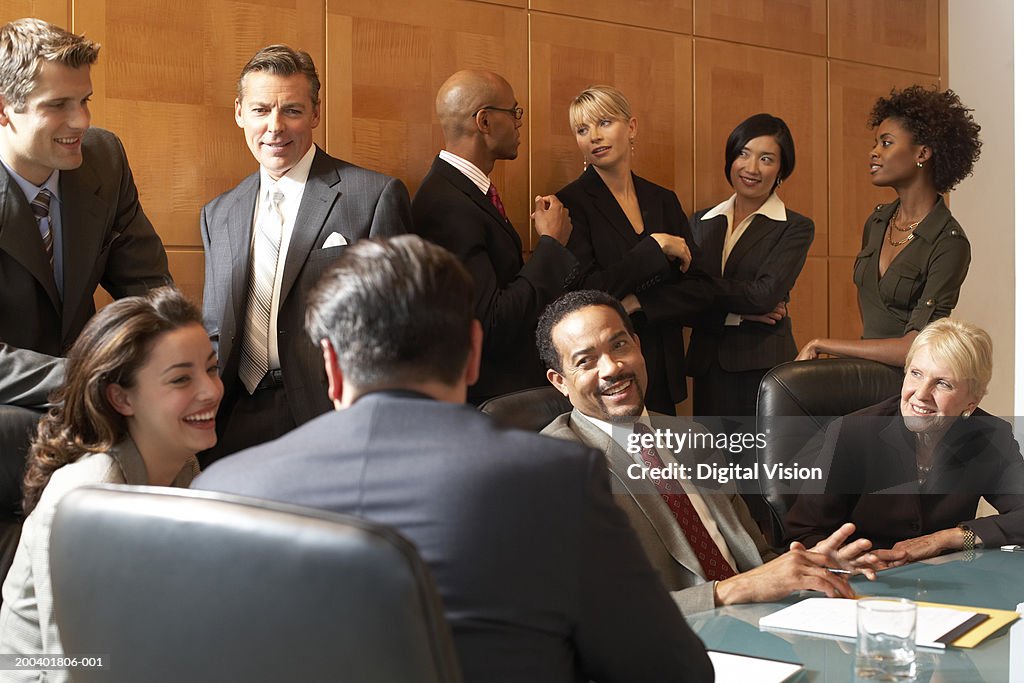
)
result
[(991, 579)]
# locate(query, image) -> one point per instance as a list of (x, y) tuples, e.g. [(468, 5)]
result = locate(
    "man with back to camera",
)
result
[(70, 217), (593, 357), (268, 240), (540, 575), (458, 207)]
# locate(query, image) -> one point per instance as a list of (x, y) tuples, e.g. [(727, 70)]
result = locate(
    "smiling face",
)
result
[(755, 169), (932, 396), (171, 407), (603, 372), (605, 142), (46, 132), (278, 116), (894, 157)]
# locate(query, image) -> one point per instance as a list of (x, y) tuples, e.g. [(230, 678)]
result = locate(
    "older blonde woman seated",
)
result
[(139, 401), (909, 471)]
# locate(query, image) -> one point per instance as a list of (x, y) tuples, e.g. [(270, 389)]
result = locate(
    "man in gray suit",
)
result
[(70, 217), (268, 240), (593, 357), (539, 573)]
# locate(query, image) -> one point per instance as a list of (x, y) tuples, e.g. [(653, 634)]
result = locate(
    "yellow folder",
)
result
[(997, 618)]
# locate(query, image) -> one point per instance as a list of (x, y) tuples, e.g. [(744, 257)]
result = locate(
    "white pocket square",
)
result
[(335, 239)]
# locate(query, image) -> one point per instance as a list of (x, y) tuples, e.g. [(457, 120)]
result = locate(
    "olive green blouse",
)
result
[(922, 283)]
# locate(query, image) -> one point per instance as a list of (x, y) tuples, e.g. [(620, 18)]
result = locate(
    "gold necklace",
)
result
[(897, 212), (893, 227)]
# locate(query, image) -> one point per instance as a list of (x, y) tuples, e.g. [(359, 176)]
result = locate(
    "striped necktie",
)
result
[(41, 209), (255, 359), (712, 561)]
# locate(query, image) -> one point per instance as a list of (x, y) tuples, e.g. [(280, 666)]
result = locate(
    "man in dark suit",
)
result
[(70, 217), (268, 240), (593, 357), (539, 573), (458, 207)]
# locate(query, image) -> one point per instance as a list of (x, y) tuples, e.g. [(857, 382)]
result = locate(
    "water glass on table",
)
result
[(886, 639)]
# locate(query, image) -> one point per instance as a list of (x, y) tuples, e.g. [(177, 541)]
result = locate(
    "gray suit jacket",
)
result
[(339, 197), (659, 533), (541, 578), (107, 240)]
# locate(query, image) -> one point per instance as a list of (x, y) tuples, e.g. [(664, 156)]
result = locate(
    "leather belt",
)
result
[(270, 380)]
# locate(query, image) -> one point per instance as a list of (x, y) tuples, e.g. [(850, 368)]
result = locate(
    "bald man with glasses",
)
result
[(459, 208)]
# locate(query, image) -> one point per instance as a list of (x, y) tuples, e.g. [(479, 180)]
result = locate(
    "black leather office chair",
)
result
[(175, 585), (17, 426), (797, 400), (529, 409)]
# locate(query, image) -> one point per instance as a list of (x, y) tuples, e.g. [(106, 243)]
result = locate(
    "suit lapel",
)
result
[(609, 207), (760, 228), (240, 219), (322, 190), (84, 229), (19, 236), (643, 492), (710, 236), (466, 186)]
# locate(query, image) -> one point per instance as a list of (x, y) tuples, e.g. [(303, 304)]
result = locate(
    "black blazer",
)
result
[(509, 296), (614, 259), (872, 480), (760, 272), (540, 574)]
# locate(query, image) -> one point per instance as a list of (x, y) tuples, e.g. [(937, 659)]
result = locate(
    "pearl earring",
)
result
[(920, 165)]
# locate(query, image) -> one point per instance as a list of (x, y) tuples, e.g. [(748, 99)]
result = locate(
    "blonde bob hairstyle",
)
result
[(598, 102), (964, 348)]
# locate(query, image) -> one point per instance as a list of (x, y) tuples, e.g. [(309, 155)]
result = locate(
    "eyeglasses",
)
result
[(516, 112)]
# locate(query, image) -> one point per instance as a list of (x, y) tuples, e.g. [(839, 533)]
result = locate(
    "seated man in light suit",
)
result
[(540, 575), (593, 357), (268, 240)]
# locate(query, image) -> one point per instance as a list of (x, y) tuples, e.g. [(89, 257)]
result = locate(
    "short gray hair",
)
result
[(965, 348), (281, 60)]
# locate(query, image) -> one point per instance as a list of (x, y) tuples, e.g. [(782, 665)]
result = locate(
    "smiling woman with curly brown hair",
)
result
[(914, 255)]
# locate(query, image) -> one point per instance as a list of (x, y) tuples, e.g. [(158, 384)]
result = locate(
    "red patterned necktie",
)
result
[(492, 194), (714, 564)]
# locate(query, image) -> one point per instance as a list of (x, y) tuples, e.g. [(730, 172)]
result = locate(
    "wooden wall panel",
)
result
[(565, 60), (795, 25), (666, 15), (809, 303), (853, 90), (736, 81), (902, 34), (386, 60), (844, 313), (54, 11)]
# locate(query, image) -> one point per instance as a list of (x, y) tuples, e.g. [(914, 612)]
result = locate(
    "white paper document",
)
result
[(837, 618), (730, 668)]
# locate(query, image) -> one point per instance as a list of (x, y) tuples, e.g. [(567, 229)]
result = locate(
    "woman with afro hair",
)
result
[(914, 255)]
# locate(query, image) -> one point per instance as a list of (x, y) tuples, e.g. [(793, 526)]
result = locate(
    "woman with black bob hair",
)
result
[(914, 255), (140, 395), (753, 248)]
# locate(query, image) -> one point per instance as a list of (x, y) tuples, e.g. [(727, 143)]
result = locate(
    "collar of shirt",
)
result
[(468, 169), (31, 189), (773, 208), (291, 184), (619, 430)]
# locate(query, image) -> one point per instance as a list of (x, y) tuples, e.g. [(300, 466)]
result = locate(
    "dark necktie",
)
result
[(41, 209), (714, 564), (492, 194)]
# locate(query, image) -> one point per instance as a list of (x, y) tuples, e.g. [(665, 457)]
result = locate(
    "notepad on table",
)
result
[(732, 668), (937, 626)]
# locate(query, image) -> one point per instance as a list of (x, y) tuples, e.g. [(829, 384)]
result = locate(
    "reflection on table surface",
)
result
[(993, 579)]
